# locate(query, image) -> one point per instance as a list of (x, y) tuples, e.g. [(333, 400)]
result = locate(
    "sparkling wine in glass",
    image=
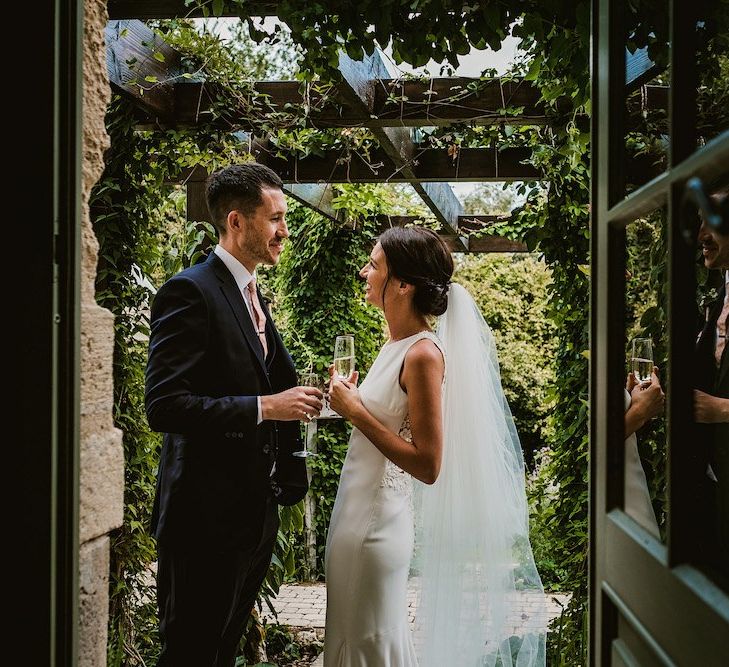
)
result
[(642, 359), (309, 379), (344, 356)]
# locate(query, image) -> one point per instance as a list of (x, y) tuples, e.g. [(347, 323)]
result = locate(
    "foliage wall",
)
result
[(511, 292), (320, 296), (555, 38), (143, 240)]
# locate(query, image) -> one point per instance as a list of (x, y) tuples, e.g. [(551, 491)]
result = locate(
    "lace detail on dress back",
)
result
[(395, 477)]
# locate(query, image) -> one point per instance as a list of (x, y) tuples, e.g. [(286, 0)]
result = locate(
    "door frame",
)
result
[(637, 584)]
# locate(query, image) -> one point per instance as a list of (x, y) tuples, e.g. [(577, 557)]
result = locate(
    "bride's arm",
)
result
[(422, 378)]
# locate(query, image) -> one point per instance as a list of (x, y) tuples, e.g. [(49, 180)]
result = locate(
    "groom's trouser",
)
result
[(205, 597)]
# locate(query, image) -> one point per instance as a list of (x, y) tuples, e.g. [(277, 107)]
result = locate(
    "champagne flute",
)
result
[(344, 356), (308, 379), (642, 359)]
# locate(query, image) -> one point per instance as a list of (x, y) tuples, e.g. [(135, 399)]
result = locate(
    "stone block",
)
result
[(101, 492), (93, 602)]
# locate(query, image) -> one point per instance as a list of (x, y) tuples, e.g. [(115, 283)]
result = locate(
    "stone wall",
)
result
[(102, 456)]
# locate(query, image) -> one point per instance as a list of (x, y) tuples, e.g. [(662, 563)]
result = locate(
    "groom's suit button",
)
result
[(266, 449), (240, 434), (227, 435)]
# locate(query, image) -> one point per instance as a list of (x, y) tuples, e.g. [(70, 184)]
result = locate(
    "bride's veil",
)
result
[(473, 561)]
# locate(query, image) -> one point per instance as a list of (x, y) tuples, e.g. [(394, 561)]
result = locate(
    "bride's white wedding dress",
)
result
[(371, 534), (637, 497), (469, 530)]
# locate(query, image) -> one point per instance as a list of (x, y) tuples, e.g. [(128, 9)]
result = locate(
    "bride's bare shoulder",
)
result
[(424, 356)]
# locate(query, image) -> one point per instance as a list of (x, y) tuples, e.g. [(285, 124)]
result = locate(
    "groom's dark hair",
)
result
[(238, 188), (419, 256)]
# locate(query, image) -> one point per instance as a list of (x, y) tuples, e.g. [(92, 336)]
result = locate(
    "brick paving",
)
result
[(303, 606)]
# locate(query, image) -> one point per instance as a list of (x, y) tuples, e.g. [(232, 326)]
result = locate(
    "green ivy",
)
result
[(321, 297), (143, 240), (511, 292), (555, 37)]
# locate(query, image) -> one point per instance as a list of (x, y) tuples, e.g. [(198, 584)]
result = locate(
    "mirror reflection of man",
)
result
[(711, 393)]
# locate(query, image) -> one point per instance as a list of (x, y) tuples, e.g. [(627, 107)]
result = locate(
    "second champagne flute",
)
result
[(308, 380), (642, 359), (344, 356)]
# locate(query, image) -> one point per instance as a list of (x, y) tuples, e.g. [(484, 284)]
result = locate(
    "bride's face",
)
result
[(375, 274)]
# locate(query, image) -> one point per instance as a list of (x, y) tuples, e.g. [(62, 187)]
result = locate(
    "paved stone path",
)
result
[(303, 606)]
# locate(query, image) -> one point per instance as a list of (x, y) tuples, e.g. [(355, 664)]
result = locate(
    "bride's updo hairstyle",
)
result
[(419, 257)]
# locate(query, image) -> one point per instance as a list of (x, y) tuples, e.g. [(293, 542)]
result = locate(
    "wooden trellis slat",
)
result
[(473, 223), (130, 48), (430, 165), (317, 196), (359, 82)]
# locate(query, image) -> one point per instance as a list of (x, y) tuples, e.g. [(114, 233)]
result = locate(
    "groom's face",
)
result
[(714, 248), (262, 232)]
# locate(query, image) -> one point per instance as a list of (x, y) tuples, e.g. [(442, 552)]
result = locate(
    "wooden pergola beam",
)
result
[(130, 49), (405, 105), (432, 170), (359, 83), (470, 223), (317, 196), (488, 244), (474, 223), (434, 166), (191, 103)]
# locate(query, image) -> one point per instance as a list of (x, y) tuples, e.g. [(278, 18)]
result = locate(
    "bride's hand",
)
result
[(344, 396), (352, 379)]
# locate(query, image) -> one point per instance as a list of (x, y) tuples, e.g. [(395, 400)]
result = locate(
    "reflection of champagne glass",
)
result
[(344, 356), (308, 380), (642, 359)]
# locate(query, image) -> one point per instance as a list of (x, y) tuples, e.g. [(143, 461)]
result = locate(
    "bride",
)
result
[(432, 487)]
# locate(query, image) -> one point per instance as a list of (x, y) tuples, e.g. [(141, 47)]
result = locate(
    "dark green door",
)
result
[(659, 591)]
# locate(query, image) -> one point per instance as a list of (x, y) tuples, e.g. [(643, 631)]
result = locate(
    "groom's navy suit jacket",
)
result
[(714, 381), (204, 374), (714, 437)]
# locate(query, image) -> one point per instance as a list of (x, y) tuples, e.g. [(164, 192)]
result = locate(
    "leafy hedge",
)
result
[(555, 37), (321, 296), (511, 292)]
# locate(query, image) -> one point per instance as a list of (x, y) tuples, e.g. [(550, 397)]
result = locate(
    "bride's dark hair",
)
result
[(418, 256)]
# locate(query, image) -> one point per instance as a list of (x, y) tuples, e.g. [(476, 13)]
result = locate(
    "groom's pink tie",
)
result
[(258, 316), (721, 328)]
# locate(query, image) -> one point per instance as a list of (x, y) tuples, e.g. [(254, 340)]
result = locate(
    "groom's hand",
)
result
[(297, 403)]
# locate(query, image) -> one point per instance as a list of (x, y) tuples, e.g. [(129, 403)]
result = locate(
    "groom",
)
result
[(221, 387), (711, 393)]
